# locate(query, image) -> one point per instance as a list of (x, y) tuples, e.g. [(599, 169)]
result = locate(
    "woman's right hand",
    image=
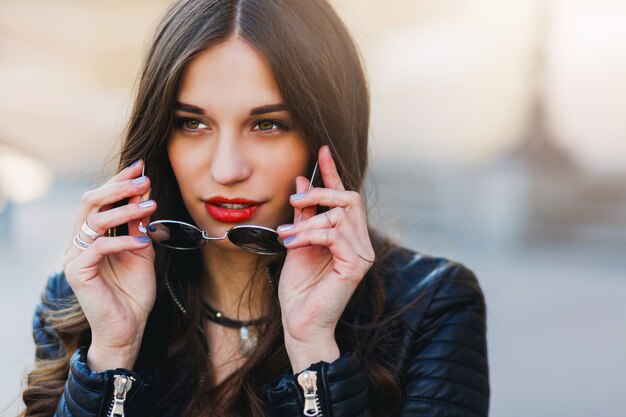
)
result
[(114, 279)]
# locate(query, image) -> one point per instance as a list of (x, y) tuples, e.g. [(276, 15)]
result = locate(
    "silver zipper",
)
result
[(308, 381), (122, 384)]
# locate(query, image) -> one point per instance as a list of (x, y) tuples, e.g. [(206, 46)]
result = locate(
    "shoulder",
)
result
[(443, 347), (56, 296), (424, 285)]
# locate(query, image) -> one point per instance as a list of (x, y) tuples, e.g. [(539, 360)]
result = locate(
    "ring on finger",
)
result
[(93, 235), (79, 243)]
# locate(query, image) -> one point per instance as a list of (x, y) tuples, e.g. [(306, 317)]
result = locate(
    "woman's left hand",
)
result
[(328, 255)]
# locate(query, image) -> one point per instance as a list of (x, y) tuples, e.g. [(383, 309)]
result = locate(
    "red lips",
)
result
[(231, 210)]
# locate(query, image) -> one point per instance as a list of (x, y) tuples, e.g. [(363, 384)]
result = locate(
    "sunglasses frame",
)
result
[(206, 238)]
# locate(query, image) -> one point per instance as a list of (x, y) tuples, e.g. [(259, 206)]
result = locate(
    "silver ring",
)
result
[(89, 231), (79, 243)]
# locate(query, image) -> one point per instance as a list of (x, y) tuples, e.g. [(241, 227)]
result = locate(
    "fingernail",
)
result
[(289, 240), (142, 239), (134, 164), (151, 228), (147, 203), (297, 196), (285, 227), (139, 180)]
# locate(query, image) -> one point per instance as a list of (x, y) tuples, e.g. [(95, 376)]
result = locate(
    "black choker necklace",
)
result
[(248, 334), (217, 317)]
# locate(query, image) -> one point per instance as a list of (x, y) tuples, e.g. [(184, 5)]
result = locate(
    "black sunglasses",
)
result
[(179, 235)]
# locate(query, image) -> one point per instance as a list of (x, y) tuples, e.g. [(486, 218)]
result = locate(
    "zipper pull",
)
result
[(308, 381), (122, 384)]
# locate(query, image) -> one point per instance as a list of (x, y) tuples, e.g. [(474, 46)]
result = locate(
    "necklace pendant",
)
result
[(248, 337)]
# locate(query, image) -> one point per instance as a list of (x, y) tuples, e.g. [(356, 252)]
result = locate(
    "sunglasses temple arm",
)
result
[(310, 186), (141, 228)]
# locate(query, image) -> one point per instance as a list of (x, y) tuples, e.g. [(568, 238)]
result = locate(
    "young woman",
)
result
[(239, 103)]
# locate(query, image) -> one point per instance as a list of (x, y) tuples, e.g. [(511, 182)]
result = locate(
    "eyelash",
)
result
[(179, 123)]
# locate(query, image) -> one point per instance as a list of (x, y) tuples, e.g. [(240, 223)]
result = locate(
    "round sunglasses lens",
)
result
[(256, 239), (176, 235)]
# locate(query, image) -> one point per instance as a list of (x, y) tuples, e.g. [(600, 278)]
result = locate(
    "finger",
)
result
[(129, 173), (328, 168), (71, 252), (74, 252), (109, 194), (326, 220), (134, 170), (127, 213), (329, 238), (95, 253), (328, 198), (93, 201), (134, 224), (106, 196), (341, 219), (340, 248)]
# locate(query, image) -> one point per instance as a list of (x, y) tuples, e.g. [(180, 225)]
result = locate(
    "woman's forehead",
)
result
[(230, 75)]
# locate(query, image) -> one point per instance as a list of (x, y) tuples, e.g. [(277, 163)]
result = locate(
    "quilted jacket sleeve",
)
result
[(89, 393), (341, 391), (86, 393), (442, 359)]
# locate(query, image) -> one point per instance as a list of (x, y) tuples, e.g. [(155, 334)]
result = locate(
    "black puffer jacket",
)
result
[(443, 355)]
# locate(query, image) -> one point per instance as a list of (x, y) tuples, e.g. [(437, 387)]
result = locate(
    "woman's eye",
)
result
[(190, 125), (266, 125), (270, 126)]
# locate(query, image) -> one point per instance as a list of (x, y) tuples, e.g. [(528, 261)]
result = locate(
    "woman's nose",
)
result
[(229, 164)]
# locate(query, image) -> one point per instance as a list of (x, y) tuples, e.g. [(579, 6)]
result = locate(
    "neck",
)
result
[(236, 283)]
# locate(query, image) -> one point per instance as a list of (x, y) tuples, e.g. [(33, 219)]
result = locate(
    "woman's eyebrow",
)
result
[(189, 108), (269, 108)]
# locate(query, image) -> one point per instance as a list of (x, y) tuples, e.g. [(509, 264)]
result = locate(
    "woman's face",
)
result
[(233, 149)]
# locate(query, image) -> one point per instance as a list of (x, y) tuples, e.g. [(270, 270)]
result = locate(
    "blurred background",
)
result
[(498, 139)]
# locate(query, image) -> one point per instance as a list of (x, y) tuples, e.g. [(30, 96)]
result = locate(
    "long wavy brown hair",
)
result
[(320, 76)]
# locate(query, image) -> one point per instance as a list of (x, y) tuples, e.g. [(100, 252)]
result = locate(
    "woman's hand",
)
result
[(328, 255), (114, 278)]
